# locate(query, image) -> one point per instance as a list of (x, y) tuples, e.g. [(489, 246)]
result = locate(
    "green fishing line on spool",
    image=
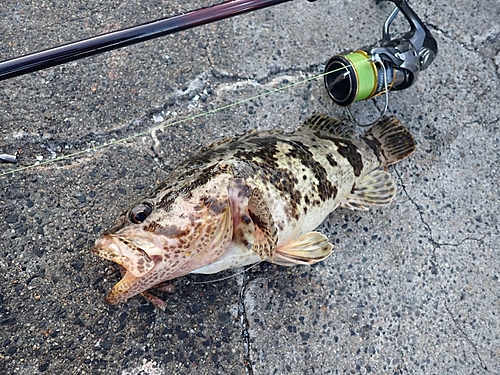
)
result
[(366, 74)]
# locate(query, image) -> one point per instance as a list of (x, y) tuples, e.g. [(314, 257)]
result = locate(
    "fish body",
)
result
[(250, 199)]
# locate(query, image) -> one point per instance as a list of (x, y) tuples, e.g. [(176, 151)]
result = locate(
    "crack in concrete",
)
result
[(435, 243), (209, 55), (447, 35), (433, 263), (245, 335), (272, 72), (462, 331)]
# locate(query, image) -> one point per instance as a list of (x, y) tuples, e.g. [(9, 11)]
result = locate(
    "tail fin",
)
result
[(391, 140)]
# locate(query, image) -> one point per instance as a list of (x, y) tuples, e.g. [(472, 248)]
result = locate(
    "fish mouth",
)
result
[(135, 265)]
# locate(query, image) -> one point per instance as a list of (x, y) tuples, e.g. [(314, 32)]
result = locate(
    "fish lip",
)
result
[(126, 252), (99, 245), (119, 244), (109, 247), (123, 289)]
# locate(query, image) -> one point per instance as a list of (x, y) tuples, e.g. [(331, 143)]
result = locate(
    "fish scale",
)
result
[(255, 198)]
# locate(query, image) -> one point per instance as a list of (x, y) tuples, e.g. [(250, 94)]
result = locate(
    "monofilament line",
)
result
[(163, 127), (227, 277)]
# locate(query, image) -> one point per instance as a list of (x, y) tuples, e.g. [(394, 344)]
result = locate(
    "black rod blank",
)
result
[(125, 37)]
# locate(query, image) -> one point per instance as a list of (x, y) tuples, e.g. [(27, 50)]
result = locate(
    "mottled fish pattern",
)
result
[(254, 198)]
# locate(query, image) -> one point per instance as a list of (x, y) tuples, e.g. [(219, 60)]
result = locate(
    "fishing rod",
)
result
[(128, 36)]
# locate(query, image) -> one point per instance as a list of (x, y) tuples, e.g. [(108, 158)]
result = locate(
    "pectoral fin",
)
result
[(265, 234), (375, 189), (309, 248)]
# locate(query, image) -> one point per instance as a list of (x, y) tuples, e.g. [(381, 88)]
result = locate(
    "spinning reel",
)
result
[(392, 65)]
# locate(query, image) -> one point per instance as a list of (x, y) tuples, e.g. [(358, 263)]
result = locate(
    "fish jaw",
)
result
[(127, 287), (131, 257), (136, 265)]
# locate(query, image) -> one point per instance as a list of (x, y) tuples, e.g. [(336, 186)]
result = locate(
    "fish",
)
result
[(253, 198)]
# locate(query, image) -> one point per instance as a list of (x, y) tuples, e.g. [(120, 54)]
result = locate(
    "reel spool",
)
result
[(353, 77)]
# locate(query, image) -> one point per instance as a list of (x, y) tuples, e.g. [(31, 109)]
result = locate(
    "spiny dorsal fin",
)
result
[(323, 124), (265, 233), (391, 140), (226, 142), (375, 189), (308, 249), (222, 143)]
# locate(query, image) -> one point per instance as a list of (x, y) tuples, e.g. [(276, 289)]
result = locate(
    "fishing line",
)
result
[(177, 122), (243, 271), (227, 277)]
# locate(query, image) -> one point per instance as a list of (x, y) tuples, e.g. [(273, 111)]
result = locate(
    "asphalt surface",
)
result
[(412, 288)]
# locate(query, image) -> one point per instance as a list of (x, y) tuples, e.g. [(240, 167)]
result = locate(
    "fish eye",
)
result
[(140, 212)]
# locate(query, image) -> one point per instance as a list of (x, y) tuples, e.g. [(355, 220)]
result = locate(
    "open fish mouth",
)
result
[(146, 260), (131, 255), (134, 264)]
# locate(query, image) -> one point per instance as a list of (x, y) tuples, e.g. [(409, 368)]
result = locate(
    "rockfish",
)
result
[(251, 199)]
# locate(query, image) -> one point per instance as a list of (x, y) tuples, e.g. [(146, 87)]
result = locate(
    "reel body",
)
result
[(392, 65)]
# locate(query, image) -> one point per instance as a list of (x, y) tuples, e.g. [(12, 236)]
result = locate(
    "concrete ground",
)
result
[(412, 288)]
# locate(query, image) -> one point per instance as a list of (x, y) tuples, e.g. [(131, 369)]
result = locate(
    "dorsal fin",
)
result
[(323, 124), (391, 140), (224, 142)]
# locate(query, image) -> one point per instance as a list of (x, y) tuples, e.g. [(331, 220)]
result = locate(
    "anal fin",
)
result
[(309, 248), (375, 189)]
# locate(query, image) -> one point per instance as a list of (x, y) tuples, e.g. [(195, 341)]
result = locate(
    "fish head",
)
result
[(153, 242)]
